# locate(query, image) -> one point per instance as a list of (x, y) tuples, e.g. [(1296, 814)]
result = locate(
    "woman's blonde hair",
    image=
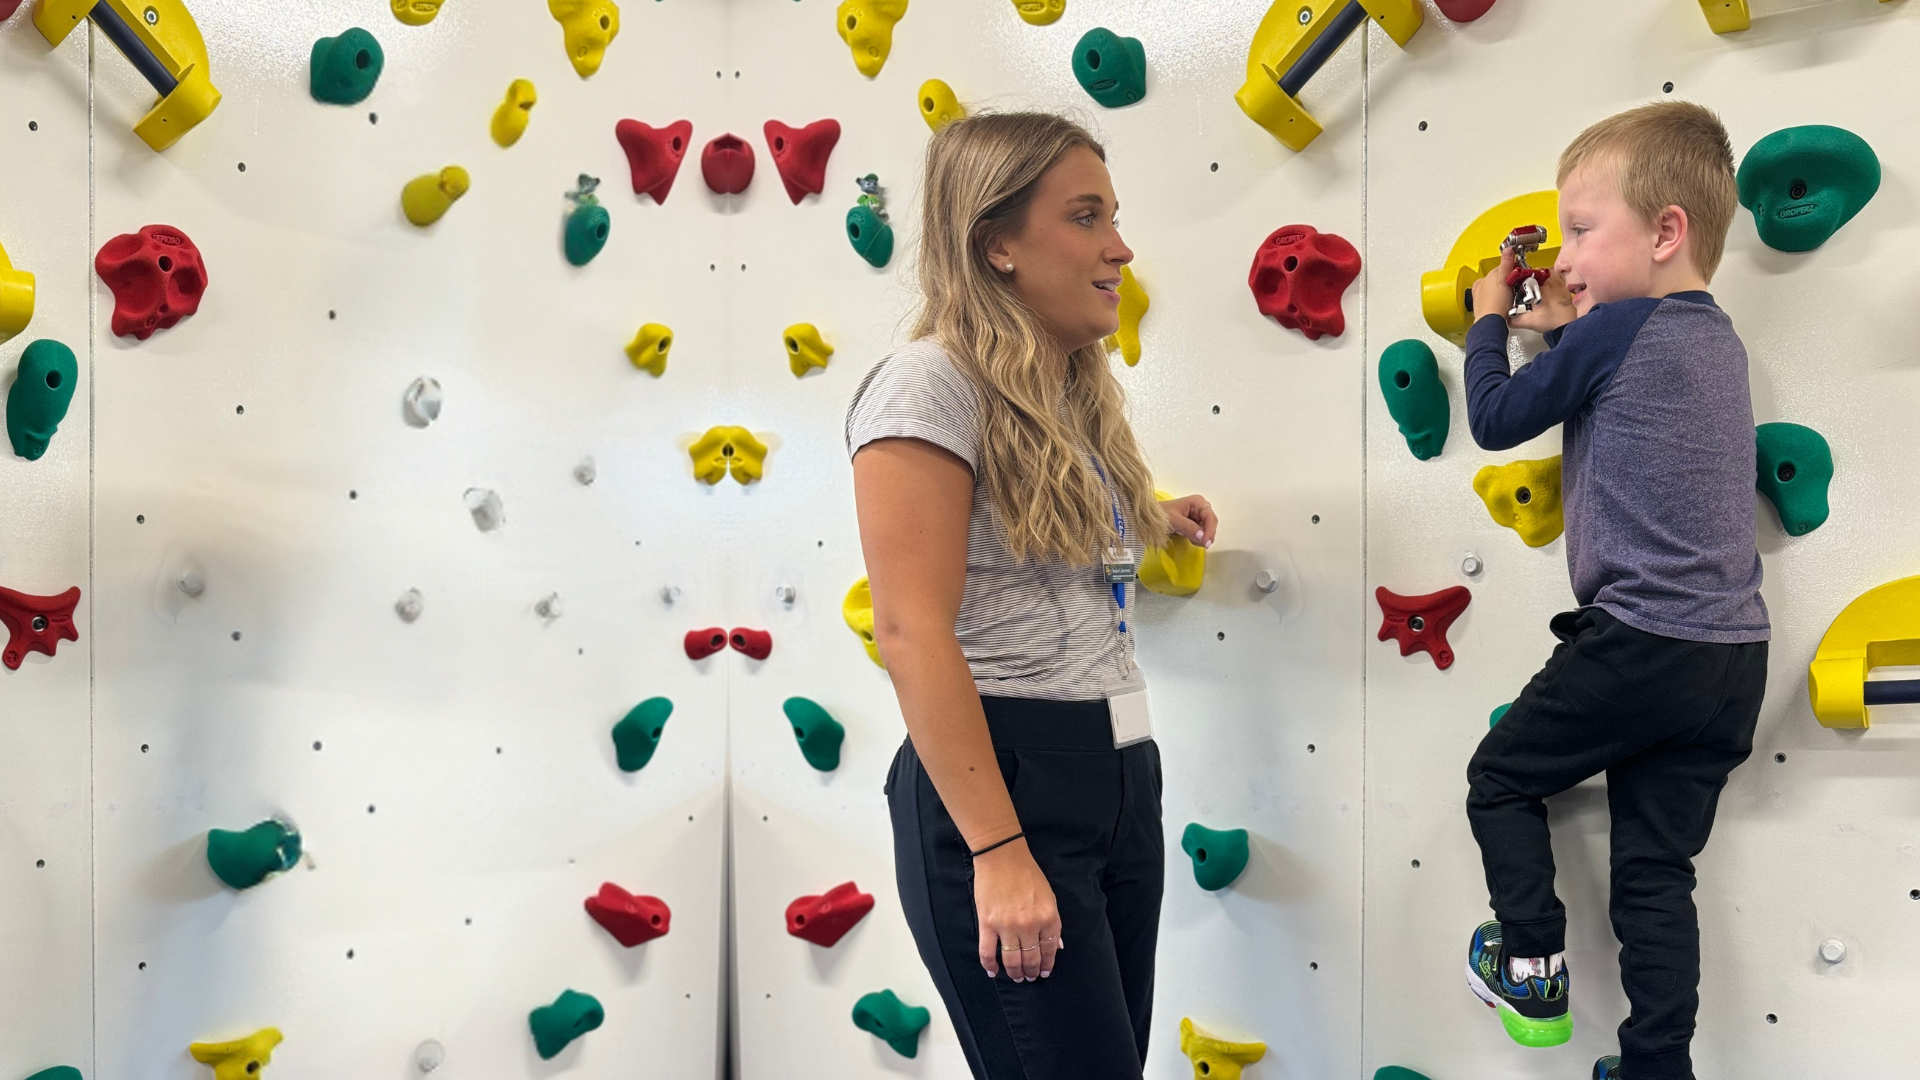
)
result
[(981, 175)]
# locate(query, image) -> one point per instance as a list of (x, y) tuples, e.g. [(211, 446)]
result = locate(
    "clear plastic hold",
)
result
[(409, 606), (422, 402), (786, 594), (192, 581), (1833, 950), (586, 472), (548, 607), (1266, 581), (484, 505), (669, 594), (429, 1056)]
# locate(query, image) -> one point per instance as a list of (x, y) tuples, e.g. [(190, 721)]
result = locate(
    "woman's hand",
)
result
[(1019, 923), (1192, 517)]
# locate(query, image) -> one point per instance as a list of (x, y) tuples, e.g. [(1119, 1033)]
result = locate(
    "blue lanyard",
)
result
[(1119, 528)]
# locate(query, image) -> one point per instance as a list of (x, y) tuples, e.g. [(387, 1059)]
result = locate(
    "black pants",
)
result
[(1092, 818), (1666, 720)]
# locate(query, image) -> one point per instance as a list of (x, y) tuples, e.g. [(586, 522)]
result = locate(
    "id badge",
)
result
[(1118, 568), (1131, 721)]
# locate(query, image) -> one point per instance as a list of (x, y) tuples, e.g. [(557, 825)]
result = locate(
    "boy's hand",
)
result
[(1491, 295), (1554, 310)]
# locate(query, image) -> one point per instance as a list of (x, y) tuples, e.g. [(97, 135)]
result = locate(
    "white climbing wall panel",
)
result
[(46, 984)]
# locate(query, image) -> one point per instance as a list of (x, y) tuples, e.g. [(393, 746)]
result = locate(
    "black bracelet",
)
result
[(1001, 843)]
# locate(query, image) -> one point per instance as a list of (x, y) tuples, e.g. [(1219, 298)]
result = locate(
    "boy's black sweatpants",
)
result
[(1666, 720)]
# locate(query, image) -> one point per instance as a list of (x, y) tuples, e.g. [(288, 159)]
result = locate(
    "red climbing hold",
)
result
[(7, 8), (755, 643), (824, 920), (801, 155), (631, 919), (1298, 277), (1463, 10), (36, 623), (157, 278), (704, 643), (727, 163), (1420, 622), (654, 154)]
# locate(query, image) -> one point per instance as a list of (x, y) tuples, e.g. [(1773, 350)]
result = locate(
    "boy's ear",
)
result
[(1671, 233)]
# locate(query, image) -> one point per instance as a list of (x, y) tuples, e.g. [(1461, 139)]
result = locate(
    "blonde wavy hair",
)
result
[(981, 175)]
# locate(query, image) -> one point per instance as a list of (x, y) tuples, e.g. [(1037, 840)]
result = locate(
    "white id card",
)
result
[(1131, 722)]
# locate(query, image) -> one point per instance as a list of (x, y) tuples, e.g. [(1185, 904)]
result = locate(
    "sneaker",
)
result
[(1534, 1012), (1607, 1068)]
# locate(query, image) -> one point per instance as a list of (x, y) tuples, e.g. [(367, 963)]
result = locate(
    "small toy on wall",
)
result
[(157, 278), (428, 197), (1416, 399), (806, 349), (654, 154), (757, 644), (416, 12), (1110, 68), (1217, 1059), (420, 404), (1803, 183), (800, 155), (938, 106), (1446, 292), (817, 732), (649, 347), (571, 1015), (1524, 496), (726, 164), (728, 449), (1795, 469), (867, 227), (16, 298), (238, 1059), (825, 919), (1298, 277), (37, 402), (857, 610), (1523, 279), (892, 1021), (701, 644), (632, 920), (1292, 43), (1419, 623), (1880, 628), (1040, 12), (587, 224), (867, 28), (160, 40), (637, 735), (343, 70), (245, 859), (1133, 308), (587, 27), (511, 115), (36, 623), (489, 513), (1219, 855)]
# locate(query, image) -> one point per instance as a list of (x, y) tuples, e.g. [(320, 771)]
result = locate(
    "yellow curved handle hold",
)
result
[(938, 105), (1880, 628), (1282, 38), (1177, 568), (806, 349), (728, 449), (168, 31), (1443, 292), (857, 610), (1133, 307), (1524, 496), (1214, 1059), (648, 349), (510, 119), (427, 197), (16, 298), (239, 1059)]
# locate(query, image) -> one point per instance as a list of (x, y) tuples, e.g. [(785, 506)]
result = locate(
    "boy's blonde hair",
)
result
[(1670, 153)]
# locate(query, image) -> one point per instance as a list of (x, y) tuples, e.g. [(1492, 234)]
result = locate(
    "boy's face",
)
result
[(1606, 250)]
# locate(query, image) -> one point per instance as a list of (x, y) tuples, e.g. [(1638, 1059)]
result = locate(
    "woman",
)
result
[(1003, 505)]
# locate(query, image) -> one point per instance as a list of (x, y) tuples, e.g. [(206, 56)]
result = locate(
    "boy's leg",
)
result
[(1663, 803)]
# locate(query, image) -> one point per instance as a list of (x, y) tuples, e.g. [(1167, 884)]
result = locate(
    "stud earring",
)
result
[(1009, 268)]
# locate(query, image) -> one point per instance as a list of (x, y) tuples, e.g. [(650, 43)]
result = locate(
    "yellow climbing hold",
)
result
[(857, 609), (162, 29), (1133, 305), (1040, 12), (724, 450), (16, 298), (240, 1059), (1524, 496), (510, 119), (426, 198), (1881, 628), (589, 27), (648, 349), (867, 28), (1214, 1059), (1443, 292), (416, 12), (938, 106), (1175, 568), (806, 349)]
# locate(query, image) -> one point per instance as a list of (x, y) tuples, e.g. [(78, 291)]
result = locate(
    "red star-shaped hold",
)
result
[(36, 623), (1420, 622)]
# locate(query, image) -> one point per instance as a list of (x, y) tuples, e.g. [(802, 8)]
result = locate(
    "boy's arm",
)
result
[(1506, 409)]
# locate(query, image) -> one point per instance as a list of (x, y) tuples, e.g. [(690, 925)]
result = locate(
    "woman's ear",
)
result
[(996, 251)]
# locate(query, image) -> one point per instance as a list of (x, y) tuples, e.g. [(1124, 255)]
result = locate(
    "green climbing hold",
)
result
[(820, 735), (892, 1020), (1416, 399), (1494, 718), (58, 1072), (245, 859), (1795, 467), (587, 223), (343, 69), (637, 736), (1218, 854), (1803, 183), (871, 237), (42, 390), (1396, 1072), (571, 1015), (1110, 67)]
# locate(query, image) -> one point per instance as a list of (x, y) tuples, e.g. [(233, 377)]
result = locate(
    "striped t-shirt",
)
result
[(1038, 629)]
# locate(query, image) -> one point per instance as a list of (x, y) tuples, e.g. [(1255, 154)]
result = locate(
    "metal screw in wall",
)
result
[(1471, 565), (1833, 950)]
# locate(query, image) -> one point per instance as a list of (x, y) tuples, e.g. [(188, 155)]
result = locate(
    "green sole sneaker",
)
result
[(1486, 963)]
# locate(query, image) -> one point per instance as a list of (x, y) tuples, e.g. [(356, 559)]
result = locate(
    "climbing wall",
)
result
[(46, 876)]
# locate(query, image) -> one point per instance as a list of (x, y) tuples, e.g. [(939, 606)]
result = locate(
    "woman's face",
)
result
[(1067, 256)]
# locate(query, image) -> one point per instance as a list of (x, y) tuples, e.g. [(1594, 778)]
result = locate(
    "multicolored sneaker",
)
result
[(1607, 1068), (1534, 1012)]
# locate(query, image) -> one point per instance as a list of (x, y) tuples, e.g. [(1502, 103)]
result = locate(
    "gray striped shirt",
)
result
[(1038, 629)]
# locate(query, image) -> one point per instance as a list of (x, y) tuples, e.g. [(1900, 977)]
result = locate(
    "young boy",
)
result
[(1658, 676)]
